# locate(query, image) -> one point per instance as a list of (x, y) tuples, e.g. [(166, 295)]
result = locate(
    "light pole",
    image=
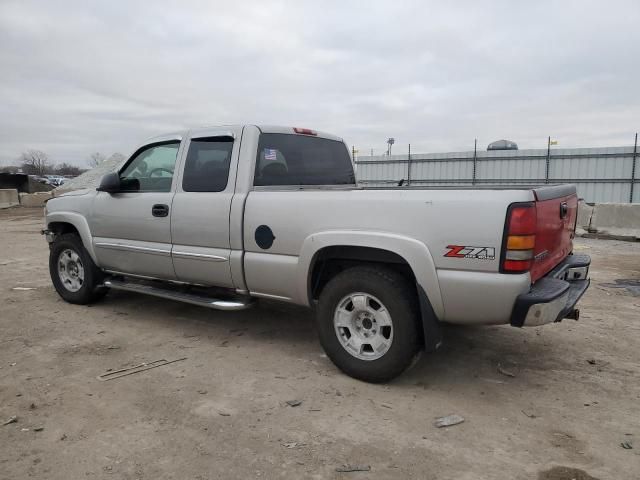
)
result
[(390, 142)]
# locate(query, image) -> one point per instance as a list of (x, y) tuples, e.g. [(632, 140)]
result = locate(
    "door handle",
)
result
[(564, 209), (160, 210)]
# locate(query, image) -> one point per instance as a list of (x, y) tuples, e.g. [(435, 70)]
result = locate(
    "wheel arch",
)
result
[(330, 260), (71, 222), (397, 251)]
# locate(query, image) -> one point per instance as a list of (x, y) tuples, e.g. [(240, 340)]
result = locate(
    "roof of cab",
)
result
[(290, 130), (263, 128)]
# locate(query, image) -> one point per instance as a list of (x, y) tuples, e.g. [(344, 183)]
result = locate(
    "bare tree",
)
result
[(117, 158), (96, 159), (9, 169), (35, 162), (68, 169)]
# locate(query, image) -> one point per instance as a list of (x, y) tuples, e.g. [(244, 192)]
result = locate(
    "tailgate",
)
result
[(556, 212)]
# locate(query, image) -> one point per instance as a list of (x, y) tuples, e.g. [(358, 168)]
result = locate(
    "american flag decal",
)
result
[(269, 154)]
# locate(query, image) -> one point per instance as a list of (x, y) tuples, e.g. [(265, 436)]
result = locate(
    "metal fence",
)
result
[(600, 174)]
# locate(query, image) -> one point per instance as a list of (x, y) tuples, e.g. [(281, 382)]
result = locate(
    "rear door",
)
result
[(556, 211), (200, 214)]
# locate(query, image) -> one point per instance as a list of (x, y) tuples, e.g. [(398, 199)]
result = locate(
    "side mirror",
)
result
[(110, 183)]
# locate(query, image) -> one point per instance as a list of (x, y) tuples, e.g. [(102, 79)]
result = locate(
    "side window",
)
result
[(207, 165), (287, 159), (151, 169)]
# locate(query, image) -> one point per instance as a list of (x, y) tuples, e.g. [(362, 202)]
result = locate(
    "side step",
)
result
[(192, 298)]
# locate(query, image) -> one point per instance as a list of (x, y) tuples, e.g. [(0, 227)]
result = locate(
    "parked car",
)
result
[(222, 216), (55, 180)]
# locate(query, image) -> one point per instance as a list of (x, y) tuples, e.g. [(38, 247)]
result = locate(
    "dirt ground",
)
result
[(221, 412)]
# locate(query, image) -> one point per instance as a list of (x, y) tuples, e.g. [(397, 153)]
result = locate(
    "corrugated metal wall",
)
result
[(600, 174)]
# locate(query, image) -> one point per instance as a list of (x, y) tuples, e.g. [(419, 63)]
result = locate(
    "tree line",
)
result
[(37, 162)]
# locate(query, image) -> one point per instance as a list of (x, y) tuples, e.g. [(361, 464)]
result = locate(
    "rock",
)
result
[(505, 372), (293, 444), (12, 419), (294, 403), (353, 468), (448, 421)]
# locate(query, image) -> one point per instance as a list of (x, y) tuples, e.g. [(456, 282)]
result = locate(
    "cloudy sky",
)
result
[(84, 76)]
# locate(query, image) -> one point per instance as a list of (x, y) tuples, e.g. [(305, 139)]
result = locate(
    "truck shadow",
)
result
[(484, 355), (492, 356)]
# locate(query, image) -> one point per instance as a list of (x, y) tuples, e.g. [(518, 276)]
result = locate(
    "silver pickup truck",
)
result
[(221, 216)]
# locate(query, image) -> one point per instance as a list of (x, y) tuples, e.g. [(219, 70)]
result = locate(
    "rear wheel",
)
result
[(75, 276), (367, 321)]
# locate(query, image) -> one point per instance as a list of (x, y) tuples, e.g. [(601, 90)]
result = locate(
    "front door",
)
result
[(132, 228), (200, 222)]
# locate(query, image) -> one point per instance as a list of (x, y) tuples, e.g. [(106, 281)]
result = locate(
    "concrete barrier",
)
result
[(8, 197), (34, 199), (583, 224), (616, 220)]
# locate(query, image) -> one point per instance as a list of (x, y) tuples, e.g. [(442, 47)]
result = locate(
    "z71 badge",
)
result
[(463, 251)]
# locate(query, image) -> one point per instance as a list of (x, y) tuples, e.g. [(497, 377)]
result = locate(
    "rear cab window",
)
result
[(288, 159)]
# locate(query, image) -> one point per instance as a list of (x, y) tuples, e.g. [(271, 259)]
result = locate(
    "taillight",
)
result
[(519, 238), (305, 131)]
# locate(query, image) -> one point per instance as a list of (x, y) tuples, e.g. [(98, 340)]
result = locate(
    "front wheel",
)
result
[(75, 276), (367, 321)]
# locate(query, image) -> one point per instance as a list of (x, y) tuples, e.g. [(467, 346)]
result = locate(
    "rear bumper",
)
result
[(553, 297)]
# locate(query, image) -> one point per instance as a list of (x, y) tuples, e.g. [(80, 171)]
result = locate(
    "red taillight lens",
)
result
[(522, 220), (517, 266), (520, 238), (305, 131)]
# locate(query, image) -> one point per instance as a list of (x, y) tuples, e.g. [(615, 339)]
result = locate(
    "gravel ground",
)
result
[(222, 412)]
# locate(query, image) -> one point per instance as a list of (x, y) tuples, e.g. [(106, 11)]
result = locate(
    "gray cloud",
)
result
[(81, 76)]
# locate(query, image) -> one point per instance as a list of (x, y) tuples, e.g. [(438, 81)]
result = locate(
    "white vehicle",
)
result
[(221, 216), (55, 180)]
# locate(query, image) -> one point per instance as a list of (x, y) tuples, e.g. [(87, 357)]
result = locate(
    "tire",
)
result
[(75, 276), (358, 294)]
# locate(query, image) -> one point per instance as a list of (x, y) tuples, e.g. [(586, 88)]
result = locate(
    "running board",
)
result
[(193, 299)]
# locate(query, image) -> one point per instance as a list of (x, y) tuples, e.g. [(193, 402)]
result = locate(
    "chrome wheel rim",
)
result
[(70, 270), (363, 326)]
